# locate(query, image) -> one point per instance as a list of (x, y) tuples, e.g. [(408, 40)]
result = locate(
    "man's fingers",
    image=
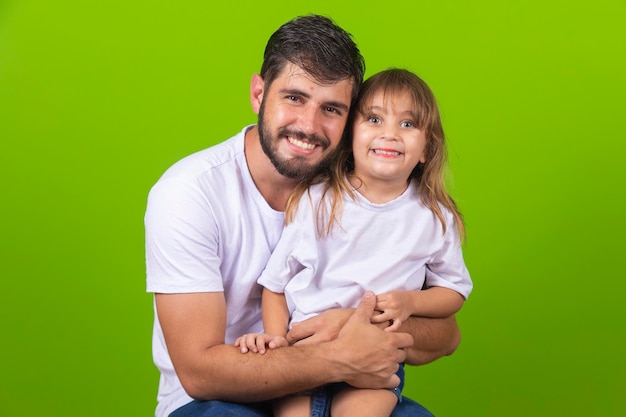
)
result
[(395, 381), (366, 306), (299, 331), (402, 340)]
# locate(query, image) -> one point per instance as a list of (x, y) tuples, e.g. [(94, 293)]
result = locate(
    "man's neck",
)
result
[(274, 187)]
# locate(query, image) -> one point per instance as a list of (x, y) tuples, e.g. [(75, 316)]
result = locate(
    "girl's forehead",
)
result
[(390, 93), (383, 97)]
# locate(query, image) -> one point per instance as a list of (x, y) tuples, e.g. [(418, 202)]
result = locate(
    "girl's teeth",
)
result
[(379, 151)]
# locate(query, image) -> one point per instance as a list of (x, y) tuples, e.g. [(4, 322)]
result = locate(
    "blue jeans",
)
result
[(223, 409), (409, 408), (321, 397), (406, 408)]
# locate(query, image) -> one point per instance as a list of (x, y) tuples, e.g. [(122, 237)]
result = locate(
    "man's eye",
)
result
[(293, 98), (332, 110)]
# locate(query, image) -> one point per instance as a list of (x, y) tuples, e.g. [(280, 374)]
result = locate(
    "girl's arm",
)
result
[(398, 306), (275, 313), (275, 316)]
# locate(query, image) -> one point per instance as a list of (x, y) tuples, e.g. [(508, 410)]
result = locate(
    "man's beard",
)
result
[(296, 167)]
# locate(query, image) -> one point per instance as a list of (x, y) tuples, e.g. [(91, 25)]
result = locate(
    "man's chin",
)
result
[(300, 175), (297, 171)]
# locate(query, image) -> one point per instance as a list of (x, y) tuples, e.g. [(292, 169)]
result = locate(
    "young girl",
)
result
[(379, 219)]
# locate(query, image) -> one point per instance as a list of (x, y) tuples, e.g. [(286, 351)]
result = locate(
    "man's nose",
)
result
[(309, 120)]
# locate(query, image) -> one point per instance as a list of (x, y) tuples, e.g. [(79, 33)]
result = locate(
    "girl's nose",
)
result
[(390, 132)]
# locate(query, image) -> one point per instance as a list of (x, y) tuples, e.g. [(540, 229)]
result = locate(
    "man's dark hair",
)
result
[(316, 44)]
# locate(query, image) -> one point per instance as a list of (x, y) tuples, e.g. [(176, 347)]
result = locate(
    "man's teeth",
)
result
[(300, 144), (383, 152)]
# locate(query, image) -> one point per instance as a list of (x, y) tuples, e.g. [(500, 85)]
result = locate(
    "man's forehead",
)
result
[(294, 72), (295, 78)]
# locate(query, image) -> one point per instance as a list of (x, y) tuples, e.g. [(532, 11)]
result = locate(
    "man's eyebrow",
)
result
[(301, 93), (338, 104), (295, 92)]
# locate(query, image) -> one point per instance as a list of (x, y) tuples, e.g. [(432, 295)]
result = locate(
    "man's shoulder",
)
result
[(206, 160)]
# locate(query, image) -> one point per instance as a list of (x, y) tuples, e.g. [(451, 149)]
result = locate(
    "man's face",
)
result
[(301, 121)]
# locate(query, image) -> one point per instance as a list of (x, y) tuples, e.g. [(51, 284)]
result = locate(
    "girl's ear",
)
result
[(257, 88)]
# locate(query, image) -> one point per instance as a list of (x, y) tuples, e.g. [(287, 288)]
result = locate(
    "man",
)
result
[(214, 218)]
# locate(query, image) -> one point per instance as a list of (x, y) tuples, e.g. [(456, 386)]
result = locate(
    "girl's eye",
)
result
[(408, 123), (373, 119)]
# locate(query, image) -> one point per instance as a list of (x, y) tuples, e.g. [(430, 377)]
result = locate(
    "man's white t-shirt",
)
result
[(208, 229), (398, 245)]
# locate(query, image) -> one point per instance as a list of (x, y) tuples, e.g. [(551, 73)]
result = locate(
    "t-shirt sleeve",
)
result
[(286, 259), (447, 267), (284, 263), (181, 240)]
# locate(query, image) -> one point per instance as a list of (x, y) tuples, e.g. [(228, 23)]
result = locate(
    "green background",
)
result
[(98, 98)]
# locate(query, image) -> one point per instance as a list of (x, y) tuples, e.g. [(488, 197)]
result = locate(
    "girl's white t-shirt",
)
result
[(399, 245)]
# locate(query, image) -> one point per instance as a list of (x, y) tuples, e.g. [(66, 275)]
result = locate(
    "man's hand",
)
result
[(370, 354), (321, 328)]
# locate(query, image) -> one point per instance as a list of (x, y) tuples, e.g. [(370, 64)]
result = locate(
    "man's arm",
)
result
[(434, 337), (194, 325)]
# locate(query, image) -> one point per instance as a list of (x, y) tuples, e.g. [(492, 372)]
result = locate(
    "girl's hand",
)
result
[(257, 342), (394, 306)]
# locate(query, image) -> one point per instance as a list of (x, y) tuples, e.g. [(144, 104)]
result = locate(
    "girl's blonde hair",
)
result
[(429, 175)]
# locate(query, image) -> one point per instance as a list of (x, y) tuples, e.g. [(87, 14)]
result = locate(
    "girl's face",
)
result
[(386, 143)]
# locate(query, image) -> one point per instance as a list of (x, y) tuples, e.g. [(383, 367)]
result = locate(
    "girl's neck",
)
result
[(378, 191)]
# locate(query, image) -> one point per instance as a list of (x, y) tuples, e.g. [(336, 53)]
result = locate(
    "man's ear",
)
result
[(257, 88)]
